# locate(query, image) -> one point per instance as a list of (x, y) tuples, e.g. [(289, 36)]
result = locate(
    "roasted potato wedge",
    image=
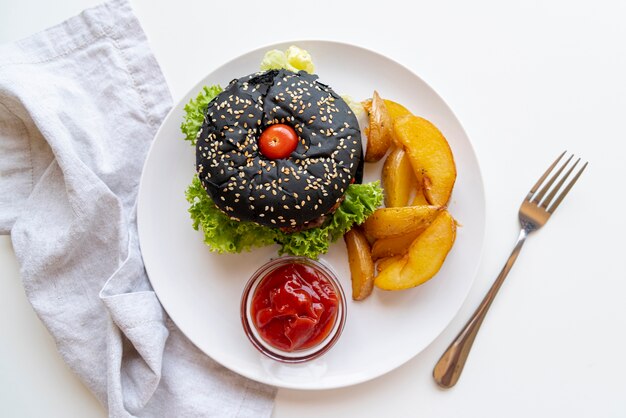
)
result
[(424, 259), (396, 110), (430, 156), (419, 199), (380, 130), (387, 247), (367, 105), (384, 262), (398, 178), (361, 263), (391, 272), (391, 222)]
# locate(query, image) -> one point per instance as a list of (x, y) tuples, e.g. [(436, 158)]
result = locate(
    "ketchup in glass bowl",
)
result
[(293, 309)]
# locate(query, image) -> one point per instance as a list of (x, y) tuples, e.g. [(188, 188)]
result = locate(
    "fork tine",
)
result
[(545, 188), (558, 186), (567, 189), (543, 177)]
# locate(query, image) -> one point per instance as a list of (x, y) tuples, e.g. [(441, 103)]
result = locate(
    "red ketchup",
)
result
[(294, 307)]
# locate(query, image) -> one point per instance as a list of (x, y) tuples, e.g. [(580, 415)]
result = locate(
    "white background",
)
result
[(527, 80)]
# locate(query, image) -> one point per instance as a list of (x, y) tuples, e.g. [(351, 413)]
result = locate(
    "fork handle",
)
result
[(449, 367)]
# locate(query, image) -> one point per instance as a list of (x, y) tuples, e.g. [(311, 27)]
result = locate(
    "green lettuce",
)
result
[(293, 59), (222, 234), (194, 112), (360, 201), (355, 106)]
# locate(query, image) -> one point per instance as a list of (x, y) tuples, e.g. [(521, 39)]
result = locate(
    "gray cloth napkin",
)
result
[(79, 106)]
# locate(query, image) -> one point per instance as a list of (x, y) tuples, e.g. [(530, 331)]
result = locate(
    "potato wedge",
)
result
[(367, 105), (387, 247), (361, 263), (431, 157), (380, 130), (425, 257), (419, 198), (391, 271), (396, 110), (398, 178), (384, 262), (391, 222)]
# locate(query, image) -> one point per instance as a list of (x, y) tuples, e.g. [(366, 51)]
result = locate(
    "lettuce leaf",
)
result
[(222, 234), (293, 59), (356, 107), (310, 243), (194, 112), (299, 59), (273, 60), (360, 201)]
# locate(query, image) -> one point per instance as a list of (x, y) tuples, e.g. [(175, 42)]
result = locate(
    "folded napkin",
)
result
[(79, 106)]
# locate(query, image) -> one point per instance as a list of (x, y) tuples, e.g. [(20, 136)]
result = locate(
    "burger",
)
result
[(278, 160)]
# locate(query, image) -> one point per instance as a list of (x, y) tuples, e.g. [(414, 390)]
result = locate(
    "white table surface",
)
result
[(527, 81)]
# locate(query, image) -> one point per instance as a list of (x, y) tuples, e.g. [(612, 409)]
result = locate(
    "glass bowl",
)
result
[(260, 277)]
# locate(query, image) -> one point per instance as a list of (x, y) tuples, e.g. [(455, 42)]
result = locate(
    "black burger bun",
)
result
[(287, 192)]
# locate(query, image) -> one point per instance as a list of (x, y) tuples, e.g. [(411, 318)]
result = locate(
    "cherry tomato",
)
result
[(278, 141)]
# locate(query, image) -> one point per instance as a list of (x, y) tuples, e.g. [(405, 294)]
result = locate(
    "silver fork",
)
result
[(534, 212)]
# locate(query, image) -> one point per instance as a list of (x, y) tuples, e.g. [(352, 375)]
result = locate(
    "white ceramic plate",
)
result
[(201, 291)]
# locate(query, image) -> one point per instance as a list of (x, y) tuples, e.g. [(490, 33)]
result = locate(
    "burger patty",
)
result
[(288, 192)]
